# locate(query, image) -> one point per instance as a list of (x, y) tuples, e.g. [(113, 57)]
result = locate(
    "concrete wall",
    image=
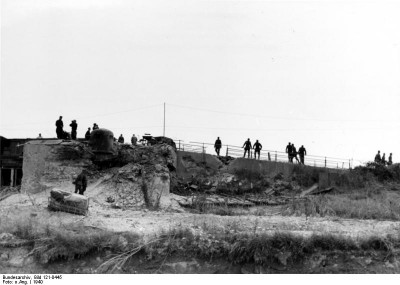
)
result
[(52, 163)]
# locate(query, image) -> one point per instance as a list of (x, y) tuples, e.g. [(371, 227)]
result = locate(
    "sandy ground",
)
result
[(21, 208)]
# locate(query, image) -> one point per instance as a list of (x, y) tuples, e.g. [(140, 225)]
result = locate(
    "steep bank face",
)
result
[(145, 179), (191, 164)]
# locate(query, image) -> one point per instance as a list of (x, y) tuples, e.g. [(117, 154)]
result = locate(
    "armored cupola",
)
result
[(102, 141)]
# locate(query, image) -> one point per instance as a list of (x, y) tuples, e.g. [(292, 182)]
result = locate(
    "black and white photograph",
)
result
[(182, 137)]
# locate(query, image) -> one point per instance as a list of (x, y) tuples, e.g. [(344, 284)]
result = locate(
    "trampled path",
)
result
[(21, 208)]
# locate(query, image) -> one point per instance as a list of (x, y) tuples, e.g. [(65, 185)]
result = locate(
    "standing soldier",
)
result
[(87, 135), (257, 149), (59, 129), (302, 153), (289, 152), (217, 146), (247, 148), (383, 160), (378, 157), (121, 139), (73, 126), (80, 183), (390, 162), (134, 139), (294, 154)]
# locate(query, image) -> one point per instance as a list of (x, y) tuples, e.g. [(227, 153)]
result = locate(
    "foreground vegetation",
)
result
[(365, 203), (50, 245)]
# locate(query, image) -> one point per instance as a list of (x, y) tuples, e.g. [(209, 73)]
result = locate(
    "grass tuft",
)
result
[(355, 204)]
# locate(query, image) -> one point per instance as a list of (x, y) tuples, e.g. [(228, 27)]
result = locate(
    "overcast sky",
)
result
[(325, 74)]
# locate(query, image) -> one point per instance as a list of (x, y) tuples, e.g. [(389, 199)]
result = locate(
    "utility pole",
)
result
[(164, 122)]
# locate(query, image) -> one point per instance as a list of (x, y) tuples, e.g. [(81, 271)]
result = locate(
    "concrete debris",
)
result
[(315, 190), (309, 190), (209, 200), (320, 191), (68, 202)]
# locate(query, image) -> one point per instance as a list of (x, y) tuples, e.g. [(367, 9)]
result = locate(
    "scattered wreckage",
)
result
[(60, 200)]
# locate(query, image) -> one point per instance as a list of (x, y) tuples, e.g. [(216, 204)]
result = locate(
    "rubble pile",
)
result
[(240, 189)]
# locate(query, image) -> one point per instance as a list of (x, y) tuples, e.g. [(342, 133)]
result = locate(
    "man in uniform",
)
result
[(134, 139), (390, 162), (87, 135), (378, 157), (80, 183), (247, 148), (294, 154), (59, 129), (73, 126), (217, 146), (289, 152), (302, 153), (257, 149), (121, 139)]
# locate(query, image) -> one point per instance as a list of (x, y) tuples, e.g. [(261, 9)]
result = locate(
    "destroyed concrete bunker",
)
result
[(137, 176)]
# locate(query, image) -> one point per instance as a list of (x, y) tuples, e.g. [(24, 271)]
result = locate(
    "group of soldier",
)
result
[(382, 160), (292, 153), (257, 147), (61, 134), (134, 139), (247, 147)]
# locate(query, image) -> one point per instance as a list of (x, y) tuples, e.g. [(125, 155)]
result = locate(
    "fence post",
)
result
[(276, 156), (325, 161), (349, 164), (179, 144), (269, 156), (227, 150)]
